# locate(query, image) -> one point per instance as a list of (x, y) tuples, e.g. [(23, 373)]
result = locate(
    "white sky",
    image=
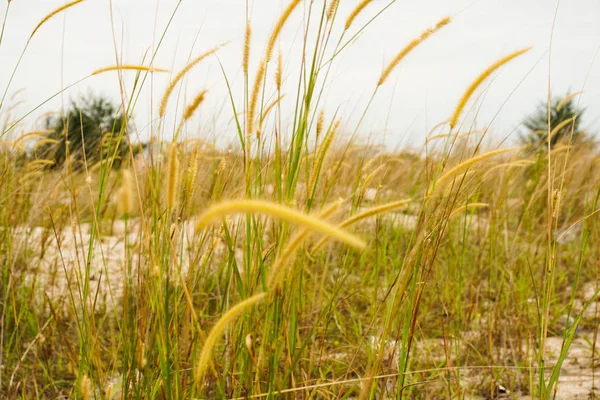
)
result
[(421, 92)]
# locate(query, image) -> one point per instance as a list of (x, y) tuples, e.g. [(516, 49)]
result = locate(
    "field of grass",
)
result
[(300, 262)]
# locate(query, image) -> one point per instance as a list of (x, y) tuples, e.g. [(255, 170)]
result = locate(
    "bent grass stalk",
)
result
[(322, 152), (181, 74), (270, 107), (410, 47), (52, 14), (216, 332), (294, 244), (484, 75), (260, 73), (277, 210), (567, 99), (193, 106), (469, 207), (357, 10), (473, 160), (363, 215), (129, 67), (278, 27), (559, 126)]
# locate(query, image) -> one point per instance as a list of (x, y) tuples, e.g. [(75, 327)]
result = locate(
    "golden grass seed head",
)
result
[(567, 99), (193, 106), (556, 196), (279, 72), (278, 27), (217, 331), (471, 89), (414, 43), (129, 67), (276, 210), (172, 177), (469, 206), (260, 75), (85, 388), (321, 154), (331, 9), (52, 14), (357, 10), (560, 126), (320, 122), (473, 160), (247, 40), (125, 195), (190, 178), (165, 98)]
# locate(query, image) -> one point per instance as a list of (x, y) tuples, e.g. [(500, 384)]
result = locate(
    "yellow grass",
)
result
[(276, 210), (217, 331), (482, 77), (52, 14), (410, 47), (129, 67)]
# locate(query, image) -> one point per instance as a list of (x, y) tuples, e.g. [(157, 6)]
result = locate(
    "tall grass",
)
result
[(197, 272)]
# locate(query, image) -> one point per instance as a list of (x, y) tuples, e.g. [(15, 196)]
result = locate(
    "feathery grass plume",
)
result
[(467, 206), (363, 215), (13, 145), (369, 178), (357, 10), (190, 179), (125, 196), (332, 8), (33, 135), (247, 39), (172, 177), (322, 152), (43, 142), (277, 210), (559, 149), (471, 89), (31, 176), (294, 244), (260, 73), (514, 164), (270, 107), (85, 387), (129, 67), (410, 47), (180, 75), (254, 98), (39, 164), (566, 100), (280, 23), (473, 160), (456, 135), (555, 204), (279, 72), (193, 106), (217, 331), (320, 123), (561, 125), (52, 14)]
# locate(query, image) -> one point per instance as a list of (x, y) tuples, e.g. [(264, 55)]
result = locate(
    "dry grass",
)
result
[(190, 271)]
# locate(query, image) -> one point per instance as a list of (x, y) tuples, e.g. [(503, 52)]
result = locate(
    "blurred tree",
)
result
[(561, 110), (89, 131)]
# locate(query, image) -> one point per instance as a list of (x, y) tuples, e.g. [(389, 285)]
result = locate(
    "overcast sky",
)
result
[(421, 92)]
